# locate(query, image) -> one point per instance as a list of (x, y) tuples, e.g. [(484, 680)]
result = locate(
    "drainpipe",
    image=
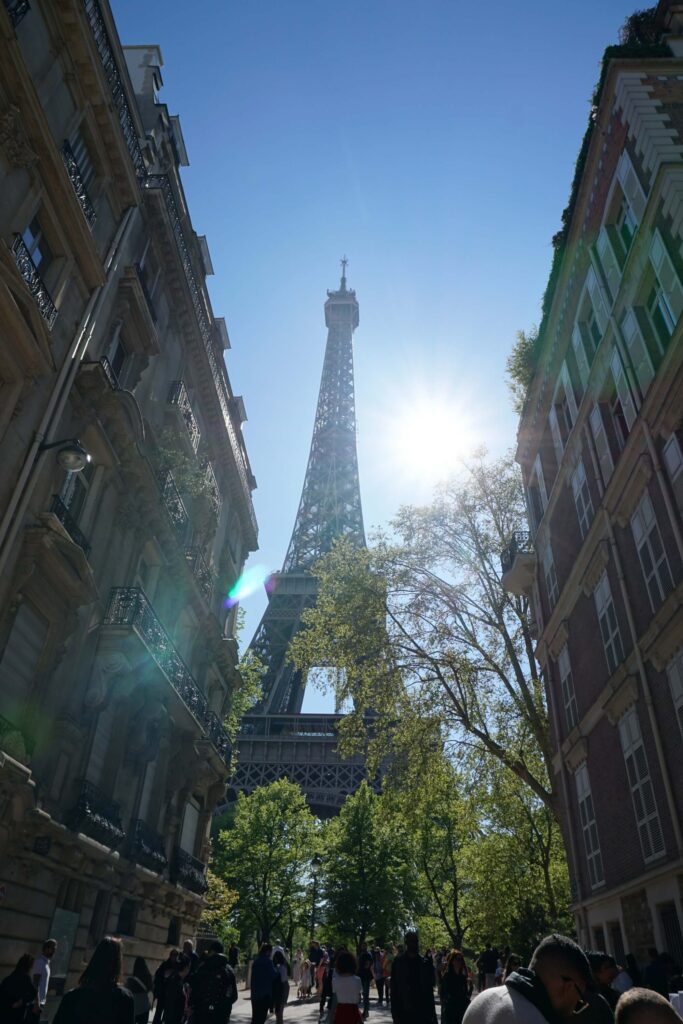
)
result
[(50, 421)]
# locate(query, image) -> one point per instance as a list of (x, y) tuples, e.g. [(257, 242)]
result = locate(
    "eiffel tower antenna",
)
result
[(330, 507)]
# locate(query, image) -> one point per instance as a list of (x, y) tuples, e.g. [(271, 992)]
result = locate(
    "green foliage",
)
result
[(219, 902), (520, 367), (246, 695), (188, 471), (266, 856), (368, 882)]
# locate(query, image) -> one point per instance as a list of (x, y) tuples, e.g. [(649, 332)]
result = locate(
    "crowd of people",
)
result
[(561, 983)]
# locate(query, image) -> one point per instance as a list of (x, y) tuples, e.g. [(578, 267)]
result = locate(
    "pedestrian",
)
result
[(655, 973), (511, 964), (387, 964), (645, 1006), (297, 964), (412, 986), (262, 980), (487, 963), (212, 989), (604, 970), (347, 989), (634, 970), (280, 984), (18, 994), (549, 990), (139, 984), (174, 990), (305, 987), (378, 974), (455, 988), (41, 970), (99, 996), (320, 972), (234, 955), (162, 972), (188, 951), (326, 994), (365, 975), (623, 981)]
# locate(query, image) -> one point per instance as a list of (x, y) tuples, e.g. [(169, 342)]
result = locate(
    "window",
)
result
[(622, 407), (661, 317), (665, 301), (550, 575), (637, 350), (673, 458), (631, 188), (116, 353), (601, 444), (609, 263), (81, 153), (127, 917), (99, 917), (626, 225), (589, 826), (609, 627), (571, 711), (674, 672), (537, 494), (188, 835), (173, 935), (671, 926), (39, 250), (651, 552), (582, 498), (591, 323), (642, 793)]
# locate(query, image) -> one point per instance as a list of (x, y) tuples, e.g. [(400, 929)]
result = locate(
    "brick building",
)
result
[(600, 444), (117, 655)]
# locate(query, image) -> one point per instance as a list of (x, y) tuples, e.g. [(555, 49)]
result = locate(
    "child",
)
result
[(348, 990), (305, 986)]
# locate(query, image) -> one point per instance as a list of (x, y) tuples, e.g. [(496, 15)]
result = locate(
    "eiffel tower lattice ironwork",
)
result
[(276, 740)]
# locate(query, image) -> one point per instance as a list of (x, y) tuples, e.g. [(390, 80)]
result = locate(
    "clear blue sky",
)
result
[(434, 142)]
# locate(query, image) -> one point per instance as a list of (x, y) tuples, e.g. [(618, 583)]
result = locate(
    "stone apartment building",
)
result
[(600, 444), (117, 654)]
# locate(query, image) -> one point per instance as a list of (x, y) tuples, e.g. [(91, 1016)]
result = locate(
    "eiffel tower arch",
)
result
[(276, 740)]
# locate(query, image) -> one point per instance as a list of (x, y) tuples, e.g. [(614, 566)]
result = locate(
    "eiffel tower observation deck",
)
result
[(276, 739)]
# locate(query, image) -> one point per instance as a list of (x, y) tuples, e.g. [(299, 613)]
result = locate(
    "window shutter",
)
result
[(555, 431), (608, 262), (666, 275), (569, 391), (623, 390), (601, 444), (597, 299), (188, 835), (675, 673), (642, 792), (630, 186), (637, 350), (541, 482), (673, 457), (580, 355)]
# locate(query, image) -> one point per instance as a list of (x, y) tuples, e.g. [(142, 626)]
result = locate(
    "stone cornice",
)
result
[(577, 754), (621, 699)]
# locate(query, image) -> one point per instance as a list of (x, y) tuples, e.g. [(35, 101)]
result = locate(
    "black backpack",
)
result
[(216, 985)]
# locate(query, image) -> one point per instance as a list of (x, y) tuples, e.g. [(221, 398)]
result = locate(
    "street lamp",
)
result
[(71, 456), (316, 864)]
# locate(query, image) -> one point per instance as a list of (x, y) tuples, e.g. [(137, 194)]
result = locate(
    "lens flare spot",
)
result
[(249, 582)]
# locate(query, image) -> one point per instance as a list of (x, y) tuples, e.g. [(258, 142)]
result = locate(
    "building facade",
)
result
[(601, 449), (117, 654)]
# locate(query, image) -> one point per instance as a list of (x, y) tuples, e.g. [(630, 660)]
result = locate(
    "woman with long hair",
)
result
[(511, 964), (280, 985), (347, 989), (455, 988), (140, 985), (99, 996), (18, 994)]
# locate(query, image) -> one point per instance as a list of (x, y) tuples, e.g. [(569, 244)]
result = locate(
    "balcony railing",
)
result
[(97, 816), (173, 502), (147, 847), (189, 872), (17, 9), (115, 83), (520, 541), (178, 397), (200, 571), (212, 488), (161, 181), (142, 278), (74, 172), (59, 509), (34, 282), (218, 736), (128, 606)]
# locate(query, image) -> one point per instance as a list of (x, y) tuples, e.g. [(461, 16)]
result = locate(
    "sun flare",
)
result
[(428, 440)]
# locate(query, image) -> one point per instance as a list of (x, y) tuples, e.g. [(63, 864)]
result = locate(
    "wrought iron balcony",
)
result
[(178, 397), (147, 847), (142, 278), (200, 571), (74, 172), (17, 9), (97, 816), (219, 736), (161, 181), (173, 502), (115, 82), (34, 282), (518, 562), (128, 606), (59, 509), (189, 872), (213, 489)]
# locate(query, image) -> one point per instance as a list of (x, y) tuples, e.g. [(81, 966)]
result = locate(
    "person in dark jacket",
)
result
[(412, 986), (213, 988), (455, 988), (655, 973), (234, 955), (140, 986), (263, 975), (18, 994), (604, 970), (163, 972), (99, 996)]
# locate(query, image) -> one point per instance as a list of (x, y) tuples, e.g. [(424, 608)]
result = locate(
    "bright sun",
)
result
[(429, 438)]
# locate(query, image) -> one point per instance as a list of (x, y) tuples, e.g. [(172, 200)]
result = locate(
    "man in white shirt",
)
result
[(41, 970)]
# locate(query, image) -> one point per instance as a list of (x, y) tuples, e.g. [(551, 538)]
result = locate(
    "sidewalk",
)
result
[(306, 1011)]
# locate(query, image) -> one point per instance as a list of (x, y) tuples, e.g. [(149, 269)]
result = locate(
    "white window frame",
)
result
[(582, 498), (651, 552), (673, 458), (667, 277), (609, 263), (637, 350), (550, 574), (623, 391), (571, 710), (589, 826), (609, 624), (674, 672), (597, 425), (642, 791)]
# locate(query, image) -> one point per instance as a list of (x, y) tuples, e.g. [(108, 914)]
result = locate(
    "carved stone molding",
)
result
[(595, 568), (630, 496), (578, 753), (14, 140), (621, 699), (560, 639)]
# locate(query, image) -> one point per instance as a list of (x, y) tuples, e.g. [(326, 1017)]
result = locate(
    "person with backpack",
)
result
[(263, 975), (213, 988)]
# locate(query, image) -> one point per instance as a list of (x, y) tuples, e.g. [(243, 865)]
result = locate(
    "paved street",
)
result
[(296, 1011)]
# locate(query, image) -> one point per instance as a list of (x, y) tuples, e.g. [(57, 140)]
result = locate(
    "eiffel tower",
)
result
[(276, 740)]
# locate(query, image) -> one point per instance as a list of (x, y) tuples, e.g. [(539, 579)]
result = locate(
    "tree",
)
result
[(422, 626), (368, 881), (520, 367), (266, 858), (219, 902)]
